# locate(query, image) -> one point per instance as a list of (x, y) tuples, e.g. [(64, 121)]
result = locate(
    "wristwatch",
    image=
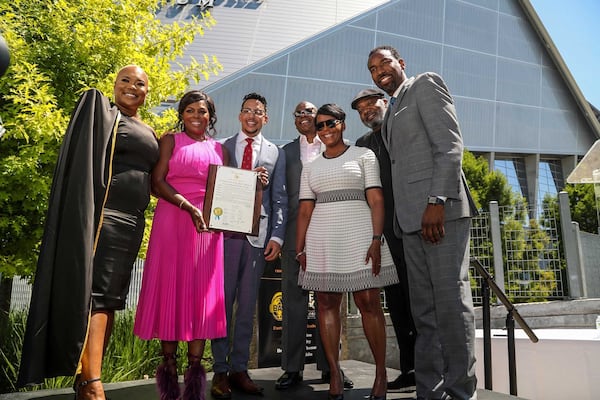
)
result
[(378, 237), (435, 201)]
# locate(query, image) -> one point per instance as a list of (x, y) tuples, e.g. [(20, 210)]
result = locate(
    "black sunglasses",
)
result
[(304, 113), (330, 123)]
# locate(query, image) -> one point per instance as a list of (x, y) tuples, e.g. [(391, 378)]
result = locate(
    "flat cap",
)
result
[(366, 93)]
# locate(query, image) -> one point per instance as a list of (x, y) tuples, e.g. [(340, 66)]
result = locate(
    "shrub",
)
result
[(127, 357)]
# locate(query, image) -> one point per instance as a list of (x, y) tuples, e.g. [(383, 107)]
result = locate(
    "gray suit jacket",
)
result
[(423, 138), (273, 212)]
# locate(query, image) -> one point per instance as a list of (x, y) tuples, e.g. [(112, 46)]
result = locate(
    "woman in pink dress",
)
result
[(182, 295)]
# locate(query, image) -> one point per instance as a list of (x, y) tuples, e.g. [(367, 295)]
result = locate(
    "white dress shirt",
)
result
[(310, 151), (240, 145)]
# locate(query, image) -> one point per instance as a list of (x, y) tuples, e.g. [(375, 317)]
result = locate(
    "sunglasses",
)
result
[(304, 113), (330, 123), (258, 112)]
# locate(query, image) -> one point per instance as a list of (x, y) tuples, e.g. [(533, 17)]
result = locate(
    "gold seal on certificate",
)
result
[(233, 199)]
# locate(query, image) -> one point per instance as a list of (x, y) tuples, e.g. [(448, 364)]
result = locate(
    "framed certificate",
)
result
[(233, 199)]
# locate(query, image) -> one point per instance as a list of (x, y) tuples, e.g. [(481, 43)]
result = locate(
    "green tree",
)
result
[(59, 48), (527, 244), (528, 248), (486, 185), (584, 210), (583, 206)]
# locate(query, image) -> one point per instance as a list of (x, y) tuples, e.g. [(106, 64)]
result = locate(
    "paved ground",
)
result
[(312, 388)]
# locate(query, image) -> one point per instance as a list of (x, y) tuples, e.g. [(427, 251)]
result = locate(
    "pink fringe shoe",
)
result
[(194, 379), (167, 379)]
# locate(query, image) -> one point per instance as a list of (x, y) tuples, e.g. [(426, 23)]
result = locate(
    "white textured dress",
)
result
[(340, 229)]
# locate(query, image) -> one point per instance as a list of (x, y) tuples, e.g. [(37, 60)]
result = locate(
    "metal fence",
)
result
[(21, 294), (531, 263), (481, 248), (534, 268), (531, 266), (21, 290)]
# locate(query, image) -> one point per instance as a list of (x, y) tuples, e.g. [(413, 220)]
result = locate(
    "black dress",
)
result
[(122, 226), (92, 233)]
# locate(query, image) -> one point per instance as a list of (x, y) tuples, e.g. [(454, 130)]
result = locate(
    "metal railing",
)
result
[(512, 315)]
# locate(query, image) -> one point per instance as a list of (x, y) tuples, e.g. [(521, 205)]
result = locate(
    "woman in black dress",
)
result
[(92, 235)]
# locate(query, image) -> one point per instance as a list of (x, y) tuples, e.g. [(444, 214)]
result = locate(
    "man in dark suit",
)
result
[(301, 150), (433, 210), (246, 256), (371, 106)]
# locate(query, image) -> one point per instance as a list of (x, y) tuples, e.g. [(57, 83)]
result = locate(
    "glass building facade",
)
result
[(514, 105)]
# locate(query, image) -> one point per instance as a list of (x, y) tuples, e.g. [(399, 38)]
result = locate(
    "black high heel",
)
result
[(331, 396), (373, 397)]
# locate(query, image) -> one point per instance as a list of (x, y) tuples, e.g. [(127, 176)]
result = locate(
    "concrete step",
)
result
[(312, 388)]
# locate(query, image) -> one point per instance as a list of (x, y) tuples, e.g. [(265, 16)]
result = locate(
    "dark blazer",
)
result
[(374, 141), (423, 139), (293, 174), (273, 213)]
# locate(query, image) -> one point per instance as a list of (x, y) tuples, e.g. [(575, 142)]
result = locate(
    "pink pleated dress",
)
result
[(182, 294)]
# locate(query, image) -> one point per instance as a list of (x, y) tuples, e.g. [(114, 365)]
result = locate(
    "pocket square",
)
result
[(400, 110)]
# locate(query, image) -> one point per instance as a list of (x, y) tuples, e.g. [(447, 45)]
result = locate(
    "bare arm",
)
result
[(165, 191), (305, 210), (375, 201)]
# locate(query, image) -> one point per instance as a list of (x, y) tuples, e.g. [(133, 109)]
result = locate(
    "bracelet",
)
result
[(180, 204), (300, 254)]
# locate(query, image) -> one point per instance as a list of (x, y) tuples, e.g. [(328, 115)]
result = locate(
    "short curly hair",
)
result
[(194, 96)]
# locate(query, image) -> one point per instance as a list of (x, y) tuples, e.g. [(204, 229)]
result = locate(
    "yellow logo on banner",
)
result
[(276, 306)]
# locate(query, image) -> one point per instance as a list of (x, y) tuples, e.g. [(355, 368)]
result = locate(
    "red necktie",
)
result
[(247, 158)]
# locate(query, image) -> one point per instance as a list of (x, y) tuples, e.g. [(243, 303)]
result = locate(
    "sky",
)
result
[(574, 26)]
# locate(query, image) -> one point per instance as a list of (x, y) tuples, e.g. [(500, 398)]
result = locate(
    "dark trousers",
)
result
[(398, 304), (244, 266), (295, 312)]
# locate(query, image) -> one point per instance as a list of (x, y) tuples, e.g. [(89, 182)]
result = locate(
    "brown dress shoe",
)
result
[(241, 380), (220, 386)]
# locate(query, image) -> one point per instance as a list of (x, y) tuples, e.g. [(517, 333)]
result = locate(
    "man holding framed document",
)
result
[(246, 255)]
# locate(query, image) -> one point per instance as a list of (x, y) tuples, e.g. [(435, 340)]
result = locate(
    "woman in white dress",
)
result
[(340, 245)]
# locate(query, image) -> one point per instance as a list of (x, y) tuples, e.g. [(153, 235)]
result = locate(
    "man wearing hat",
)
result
[(371, 106)]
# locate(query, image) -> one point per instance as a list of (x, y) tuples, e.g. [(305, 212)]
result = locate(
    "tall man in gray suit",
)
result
[(246, 256), (305, 148), (433, 211)]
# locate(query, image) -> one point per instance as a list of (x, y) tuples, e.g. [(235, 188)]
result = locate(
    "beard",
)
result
[(375, 123)]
